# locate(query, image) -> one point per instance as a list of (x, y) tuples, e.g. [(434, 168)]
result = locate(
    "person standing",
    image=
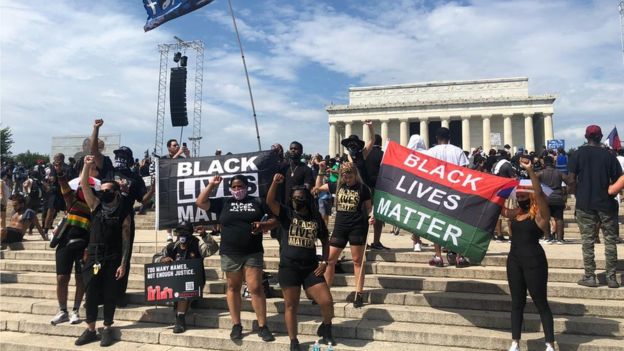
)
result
[(242, 254), (299, 265), (592, 168), (107, 254), (527, 266), (553, 178)]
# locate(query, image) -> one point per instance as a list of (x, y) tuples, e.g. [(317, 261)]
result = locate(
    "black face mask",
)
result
[(524, 204), (107, 196), (298, 204)]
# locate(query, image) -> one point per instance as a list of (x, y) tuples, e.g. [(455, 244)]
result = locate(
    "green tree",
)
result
[(6, 141), (29, 159)]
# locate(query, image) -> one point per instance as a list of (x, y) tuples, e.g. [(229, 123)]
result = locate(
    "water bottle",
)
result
[(316, 346), (330, 347)]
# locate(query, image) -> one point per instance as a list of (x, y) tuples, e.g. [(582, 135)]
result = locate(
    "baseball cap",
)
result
[(124, 151), (593, 131)]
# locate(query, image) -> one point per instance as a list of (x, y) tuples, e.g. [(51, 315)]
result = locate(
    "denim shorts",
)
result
[(235, 263)]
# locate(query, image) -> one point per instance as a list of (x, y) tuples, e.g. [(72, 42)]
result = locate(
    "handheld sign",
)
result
[(450, 205), (178, 280)]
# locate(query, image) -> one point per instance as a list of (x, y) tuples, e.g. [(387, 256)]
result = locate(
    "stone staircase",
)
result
[(409, 305)]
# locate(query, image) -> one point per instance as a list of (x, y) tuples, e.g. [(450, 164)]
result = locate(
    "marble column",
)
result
[(507, 134), (384, 132), (347, 129), (445, 122), (404, 132), (466, 133), (332, 140), (548, 127), (365, 132), (424, 131), (529, 138), (487, 143)]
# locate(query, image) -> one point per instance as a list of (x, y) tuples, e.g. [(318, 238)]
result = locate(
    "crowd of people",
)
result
[(96, 195)]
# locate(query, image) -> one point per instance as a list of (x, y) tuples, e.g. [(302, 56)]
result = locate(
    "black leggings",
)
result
[(102, 288), (529, 273)]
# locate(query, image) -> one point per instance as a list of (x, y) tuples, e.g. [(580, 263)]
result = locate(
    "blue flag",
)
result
[(161, 11)]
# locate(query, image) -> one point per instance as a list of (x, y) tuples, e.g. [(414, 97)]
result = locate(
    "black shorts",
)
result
[(68, 256), (291, 275), (55, 201), (556, 211), (13, 235), (354, 236)]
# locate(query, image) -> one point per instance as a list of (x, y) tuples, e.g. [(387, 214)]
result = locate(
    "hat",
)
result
[(125, 152), (593, 131), (184, 228), (352, 138)]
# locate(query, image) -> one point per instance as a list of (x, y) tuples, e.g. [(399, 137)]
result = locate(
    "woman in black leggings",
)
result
[(527, 267)]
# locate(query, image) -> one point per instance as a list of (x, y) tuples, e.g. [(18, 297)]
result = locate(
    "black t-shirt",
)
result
[(553, 178), (349, 205), (299, 234), (236, 218), (373, 163), (295, 175), (136, 186), (595, 169)]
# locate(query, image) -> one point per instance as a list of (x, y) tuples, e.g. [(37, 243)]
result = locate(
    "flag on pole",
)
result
[(161, 11), (450, 205), (614, 139)]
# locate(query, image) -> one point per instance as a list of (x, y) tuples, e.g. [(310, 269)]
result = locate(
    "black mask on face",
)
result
[(298, 204), (107, 196), (353, 149), (524, 204)]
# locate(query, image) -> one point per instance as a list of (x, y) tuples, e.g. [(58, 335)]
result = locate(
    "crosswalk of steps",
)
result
[(409, 305)]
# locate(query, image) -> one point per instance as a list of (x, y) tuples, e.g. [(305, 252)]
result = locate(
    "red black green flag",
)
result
[(450, 205)]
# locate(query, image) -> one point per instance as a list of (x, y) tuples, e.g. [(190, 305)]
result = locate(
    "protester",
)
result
[(107, 253), (299, 265), (55, 198), (186, 247), (353, 215), (503, 168), (591, 170), (452, 154), (74, 238), (296, 173), (21, 220), (5, 192), (562, 161), (527, 266), (372, 163), (416, 143), (174, 150), (241, 247), (33, 190), (551, 177)]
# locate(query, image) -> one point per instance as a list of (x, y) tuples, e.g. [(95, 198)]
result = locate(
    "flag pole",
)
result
[(253, 107)]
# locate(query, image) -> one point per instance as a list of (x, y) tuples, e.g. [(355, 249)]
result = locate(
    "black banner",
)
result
[(178, 280), (181, 180)]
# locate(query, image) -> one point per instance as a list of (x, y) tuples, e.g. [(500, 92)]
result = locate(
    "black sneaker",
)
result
[(107, 337), (180, 325), (378, 246), (265, 334), (325, 332), (358, 301), (294, 345), (237, 332), (86, 337), (589, 281), (612, 282)]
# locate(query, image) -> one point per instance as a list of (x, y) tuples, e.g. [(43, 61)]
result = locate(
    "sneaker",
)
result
[(514, 347), (378, 246), (549, 347), (180, 324), (265, 334), (60, 317), (436, 262), (86, 337), (417, 247), (559, 242), (451, 257), (237, 332), (358, 301), (325, 332), (294, 345), (612, 282), (462, 262), (74, 317), (107, 337), (589, 281)]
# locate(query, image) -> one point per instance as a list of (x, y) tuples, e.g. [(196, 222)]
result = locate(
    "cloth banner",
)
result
[(174, 281), (450, 205), (181, 180), (161, 11)]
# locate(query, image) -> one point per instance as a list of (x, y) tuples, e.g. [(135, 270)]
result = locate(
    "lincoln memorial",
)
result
[(488, 113)]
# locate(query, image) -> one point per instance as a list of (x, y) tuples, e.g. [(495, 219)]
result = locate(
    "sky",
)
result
[(66, 63)]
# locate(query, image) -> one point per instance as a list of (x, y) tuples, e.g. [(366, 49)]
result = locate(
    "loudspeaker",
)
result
[(177, 97)]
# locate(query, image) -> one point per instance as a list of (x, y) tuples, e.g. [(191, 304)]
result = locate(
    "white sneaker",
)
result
[(60, 317), (514, 347), (549, 347), (417, 247), (74, 317)]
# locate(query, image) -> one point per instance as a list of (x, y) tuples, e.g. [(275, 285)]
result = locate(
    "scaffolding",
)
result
[(196, 46)]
